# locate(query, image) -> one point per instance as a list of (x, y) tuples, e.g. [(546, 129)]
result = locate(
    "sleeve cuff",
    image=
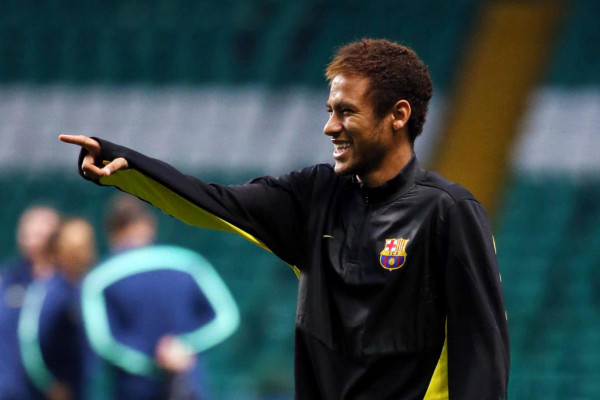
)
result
[(108, 152)]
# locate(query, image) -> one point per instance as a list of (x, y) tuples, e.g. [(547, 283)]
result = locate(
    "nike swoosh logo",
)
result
[(328, 237)]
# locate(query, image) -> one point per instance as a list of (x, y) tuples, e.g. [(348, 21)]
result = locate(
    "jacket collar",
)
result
[(395, 187)]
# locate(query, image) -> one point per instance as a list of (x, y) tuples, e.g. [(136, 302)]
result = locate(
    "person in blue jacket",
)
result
[(150, 309), (36, 226), (52, 344)]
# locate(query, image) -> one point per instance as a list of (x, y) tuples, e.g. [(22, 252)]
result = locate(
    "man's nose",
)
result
[(333, 126)]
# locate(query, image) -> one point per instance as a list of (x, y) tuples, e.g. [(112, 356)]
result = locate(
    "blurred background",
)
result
[(231, 89)]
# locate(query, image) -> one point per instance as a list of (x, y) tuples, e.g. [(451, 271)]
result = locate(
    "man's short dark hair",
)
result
[(395, 72), (125, 210)]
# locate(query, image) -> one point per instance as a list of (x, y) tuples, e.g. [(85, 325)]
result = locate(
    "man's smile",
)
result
[(340, 148)]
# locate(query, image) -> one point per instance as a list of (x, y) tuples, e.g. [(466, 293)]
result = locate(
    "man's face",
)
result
[(36, 227), (76, 248), (361, 141)]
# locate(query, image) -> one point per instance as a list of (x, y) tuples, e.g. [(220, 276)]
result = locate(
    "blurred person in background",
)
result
[(129, 224), (399, 288), (76, 249), (36, 228), (52, 341), (149, 309)]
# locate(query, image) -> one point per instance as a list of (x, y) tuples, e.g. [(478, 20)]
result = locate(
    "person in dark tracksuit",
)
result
[(149, 309), (399, 288), (52, 343), (37, 225)]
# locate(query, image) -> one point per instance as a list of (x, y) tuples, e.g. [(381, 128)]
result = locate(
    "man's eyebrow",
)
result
[(341, 105)]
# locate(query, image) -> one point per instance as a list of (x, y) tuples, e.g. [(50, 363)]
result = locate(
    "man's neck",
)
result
[(387, 170), (42, 269)]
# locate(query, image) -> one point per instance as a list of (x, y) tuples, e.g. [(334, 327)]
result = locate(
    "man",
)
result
[(52, 343), (399, 291), (149, 309), (36, 228), (129, 224)]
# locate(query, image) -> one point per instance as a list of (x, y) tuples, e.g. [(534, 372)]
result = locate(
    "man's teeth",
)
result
[(340, 147)]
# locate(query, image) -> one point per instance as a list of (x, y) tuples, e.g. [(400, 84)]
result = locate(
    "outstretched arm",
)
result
[(267, 211), (91, 166)]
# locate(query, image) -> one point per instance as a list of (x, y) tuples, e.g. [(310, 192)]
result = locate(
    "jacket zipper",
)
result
[(363, 235)]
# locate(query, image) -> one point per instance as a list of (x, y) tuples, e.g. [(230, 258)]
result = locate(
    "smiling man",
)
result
[(399, 290)]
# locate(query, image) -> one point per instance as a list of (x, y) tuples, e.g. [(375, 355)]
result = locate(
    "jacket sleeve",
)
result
[(265, 210), (478, 348)]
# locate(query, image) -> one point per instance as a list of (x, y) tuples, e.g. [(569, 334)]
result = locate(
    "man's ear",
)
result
[(400, 114)]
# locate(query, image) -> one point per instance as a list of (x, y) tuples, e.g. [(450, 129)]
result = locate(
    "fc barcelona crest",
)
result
[(393, 255)]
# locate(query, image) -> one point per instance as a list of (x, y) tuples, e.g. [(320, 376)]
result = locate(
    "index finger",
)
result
[(87, 143)]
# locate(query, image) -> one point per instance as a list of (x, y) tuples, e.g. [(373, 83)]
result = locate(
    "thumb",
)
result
[(115, 165)]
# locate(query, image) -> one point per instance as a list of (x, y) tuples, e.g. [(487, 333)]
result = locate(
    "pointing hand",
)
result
[(92, 158)]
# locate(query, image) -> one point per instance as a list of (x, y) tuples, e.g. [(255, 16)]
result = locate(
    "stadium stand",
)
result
[(182, 41), (141, 73), (548, 234), (239, 84)]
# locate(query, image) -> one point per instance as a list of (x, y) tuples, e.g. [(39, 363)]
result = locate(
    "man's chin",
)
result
[(340, 169), (343, 169)]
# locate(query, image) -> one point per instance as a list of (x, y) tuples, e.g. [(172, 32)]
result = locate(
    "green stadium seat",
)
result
[(547, 242), (267, 42)]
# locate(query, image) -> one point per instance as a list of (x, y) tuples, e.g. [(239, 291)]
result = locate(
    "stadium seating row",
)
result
[(268, 41), (549, 246), (548, 233)]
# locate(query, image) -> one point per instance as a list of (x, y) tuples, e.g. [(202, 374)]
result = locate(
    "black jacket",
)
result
[(399, 289)]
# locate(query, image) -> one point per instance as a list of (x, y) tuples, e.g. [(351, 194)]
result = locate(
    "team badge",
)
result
[(393, 255)]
